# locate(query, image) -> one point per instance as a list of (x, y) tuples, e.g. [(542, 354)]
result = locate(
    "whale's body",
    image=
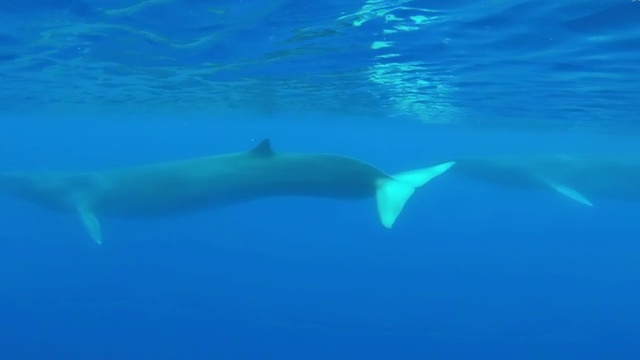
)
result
[(207, 182), (578, 177)]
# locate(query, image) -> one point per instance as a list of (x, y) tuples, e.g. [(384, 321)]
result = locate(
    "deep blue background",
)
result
[(469, 271)]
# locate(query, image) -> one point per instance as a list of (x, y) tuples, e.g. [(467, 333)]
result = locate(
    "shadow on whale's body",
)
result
[(578, 178), (194, 184)]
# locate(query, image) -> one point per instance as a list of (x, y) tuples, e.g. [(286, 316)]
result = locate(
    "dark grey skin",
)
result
[(196, 184), (578, 177)]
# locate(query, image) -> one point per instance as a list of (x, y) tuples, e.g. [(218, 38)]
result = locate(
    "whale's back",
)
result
[(222, 180)]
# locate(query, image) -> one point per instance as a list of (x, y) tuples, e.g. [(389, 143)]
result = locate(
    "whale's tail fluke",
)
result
[(394, 192)]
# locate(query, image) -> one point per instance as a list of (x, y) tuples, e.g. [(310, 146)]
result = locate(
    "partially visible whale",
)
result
[(577, 177), (194, 184)]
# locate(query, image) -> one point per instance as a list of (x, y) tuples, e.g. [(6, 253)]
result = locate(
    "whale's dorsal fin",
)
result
[(263, 149), (91, 223)]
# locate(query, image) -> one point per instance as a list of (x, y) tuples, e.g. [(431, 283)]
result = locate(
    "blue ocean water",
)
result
[(470, 270)]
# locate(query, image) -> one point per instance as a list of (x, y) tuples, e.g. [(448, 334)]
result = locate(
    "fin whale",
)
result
[(576, 177), (214, 181)]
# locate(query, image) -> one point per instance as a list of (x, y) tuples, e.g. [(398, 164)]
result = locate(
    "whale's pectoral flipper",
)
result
[(570, 193), (392, 194), (91, 223)]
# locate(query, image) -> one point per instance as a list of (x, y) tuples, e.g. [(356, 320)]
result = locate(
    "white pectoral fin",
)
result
[(393, 193), (571, 193), (92, 224)]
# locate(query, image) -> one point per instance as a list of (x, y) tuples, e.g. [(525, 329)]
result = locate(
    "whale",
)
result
[(579, 177), (190, 185)]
